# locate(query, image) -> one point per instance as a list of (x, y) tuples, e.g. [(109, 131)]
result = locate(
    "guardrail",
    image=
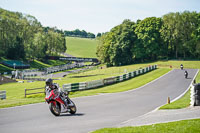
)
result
[(26, 90), (2, 94), (49, 70), (97, 83)]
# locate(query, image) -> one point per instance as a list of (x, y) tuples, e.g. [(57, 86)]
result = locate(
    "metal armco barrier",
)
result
[(147, 69), (120, 78), (82, 86), (67, 87), (97, 83), (94, 84), (2, 94), (71, 87), (136, 72), (108, 81)]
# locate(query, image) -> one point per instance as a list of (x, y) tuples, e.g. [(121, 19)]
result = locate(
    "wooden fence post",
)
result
[(25, 92)]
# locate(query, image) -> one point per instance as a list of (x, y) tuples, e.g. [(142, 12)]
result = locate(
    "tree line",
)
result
[(23, 37), (79, 33), (173, 36)]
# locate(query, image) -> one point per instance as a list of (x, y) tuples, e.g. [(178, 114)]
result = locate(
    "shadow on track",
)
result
[(77, 114)]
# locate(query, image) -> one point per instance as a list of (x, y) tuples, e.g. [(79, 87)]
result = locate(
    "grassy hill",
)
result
[(81, 47), (4, 69), (36, 64)]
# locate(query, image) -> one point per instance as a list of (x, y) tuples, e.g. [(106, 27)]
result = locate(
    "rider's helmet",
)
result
[(49, 82)]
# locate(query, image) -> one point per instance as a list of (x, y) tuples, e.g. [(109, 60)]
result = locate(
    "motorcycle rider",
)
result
[(50, 84), (181, 66), (186, 74)]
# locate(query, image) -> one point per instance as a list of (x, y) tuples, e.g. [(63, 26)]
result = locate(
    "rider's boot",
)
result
[(64, 100)]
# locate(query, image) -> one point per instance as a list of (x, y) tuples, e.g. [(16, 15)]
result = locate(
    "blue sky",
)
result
[(96, 15)]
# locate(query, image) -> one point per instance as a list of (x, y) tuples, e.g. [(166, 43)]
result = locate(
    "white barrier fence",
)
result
[(49, 70), (106, 81), (2, 94)]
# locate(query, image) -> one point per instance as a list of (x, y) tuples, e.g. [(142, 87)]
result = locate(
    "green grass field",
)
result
[(184, 126), (38, 64), (176, 64), (5, 68), (81, 47)]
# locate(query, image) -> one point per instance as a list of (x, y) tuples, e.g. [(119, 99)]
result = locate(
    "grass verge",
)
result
[(183, 102), (184, 126)]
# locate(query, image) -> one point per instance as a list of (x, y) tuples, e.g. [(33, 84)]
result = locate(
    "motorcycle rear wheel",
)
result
[(55, 109)]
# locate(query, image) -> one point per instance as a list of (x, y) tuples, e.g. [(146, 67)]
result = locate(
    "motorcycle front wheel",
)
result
[(55, 109), (72, 108)]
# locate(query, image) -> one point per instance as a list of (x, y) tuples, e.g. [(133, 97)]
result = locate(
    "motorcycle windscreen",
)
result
[(48, 93)]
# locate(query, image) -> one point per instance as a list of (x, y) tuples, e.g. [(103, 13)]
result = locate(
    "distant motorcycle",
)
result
[(186, 74), (56, 104), (181, 67)]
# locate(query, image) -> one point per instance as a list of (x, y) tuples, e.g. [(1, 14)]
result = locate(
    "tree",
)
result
[(115, 46), (180, 41), (149, 44), (190, 22), (23, 37), (78, 33), (98, 34)]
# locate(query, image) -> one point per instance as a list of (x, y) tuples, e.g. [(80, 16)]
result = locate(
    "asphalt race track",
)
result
[(95, 112)]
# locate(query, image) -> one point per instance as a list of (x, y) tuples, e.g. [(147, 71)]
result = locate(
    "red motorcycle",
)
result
[(57, 105)]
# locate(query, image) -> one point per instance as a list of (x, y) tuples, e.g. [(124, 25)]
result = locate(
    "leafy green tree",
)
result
[(189, 38), (196, 36), (180, 41), (98, 34), (115, 46), (39, 45), (22, 36), (149, 44), (167, 29), (78, 33), (102, 49)]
